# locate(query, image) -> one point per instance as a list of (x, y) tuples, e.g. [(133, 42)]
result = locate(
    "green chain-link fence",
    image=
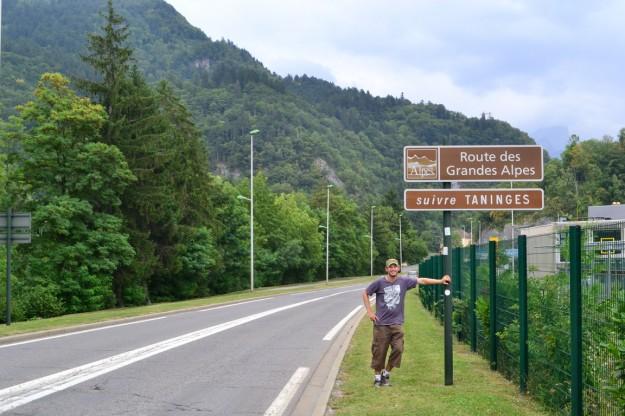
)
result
[(558, 316)]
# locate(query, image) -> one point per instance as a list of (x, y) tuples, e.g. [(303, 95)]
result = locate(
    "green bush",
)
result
[(40, 302), (460, 319), (611, 352)]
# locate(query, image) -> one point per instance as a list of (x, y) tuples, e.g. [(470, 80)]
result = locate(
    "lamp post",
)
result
[(328, 233), (8, 240), (367, 236), (327, 245), (371, 243), (251, 244), (252, 133), (401, 259)]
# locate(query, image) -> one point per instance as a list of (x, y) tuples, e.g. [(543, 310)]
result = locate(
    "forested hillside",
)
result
[(311, 130)]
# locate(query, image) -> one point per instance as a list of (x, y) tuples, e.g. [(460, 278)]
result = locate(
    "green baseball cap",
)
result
[(392, 261)]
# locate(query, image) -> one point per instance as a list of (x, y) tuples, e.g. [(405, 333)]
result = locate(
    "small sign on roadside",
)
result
[(20, 227)]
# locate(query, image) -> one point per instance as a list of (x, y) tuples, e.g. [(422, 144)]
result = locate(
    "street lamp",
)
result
[(328, 233), (252, 133), (371, 243), (367, 236), (401, 260)]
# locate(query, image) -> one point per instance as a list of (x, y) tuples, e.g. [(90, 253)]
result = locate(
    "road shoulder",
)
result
[(314, 399)]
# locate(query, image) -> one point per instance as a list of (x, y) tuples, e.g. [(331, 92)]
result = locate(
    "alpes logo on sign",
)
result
[(421, 164)]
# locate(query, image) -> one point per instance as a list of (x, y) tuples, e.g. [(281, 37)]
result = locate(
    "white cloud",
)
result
[(532, 63)]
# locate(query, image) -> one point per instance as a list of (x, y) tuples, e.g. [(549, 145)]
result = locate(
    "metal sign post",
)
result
[(14, 229), (449, 363)]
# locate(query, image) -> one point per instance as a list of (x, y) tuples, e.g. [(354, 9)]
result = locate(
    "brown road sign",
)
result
[(473, 163), (473, 199)]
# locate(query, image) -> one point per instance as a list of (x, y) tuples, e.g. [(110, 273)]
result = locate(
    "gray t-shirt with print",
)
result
[(389, 299)]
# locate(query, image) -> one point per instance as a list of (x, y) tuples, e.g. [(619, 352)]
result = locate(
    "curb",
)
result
[(314, 399)]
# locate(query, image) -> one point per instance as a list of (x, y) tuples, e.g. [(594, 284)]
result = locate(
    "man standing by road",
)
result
[(388, 319)]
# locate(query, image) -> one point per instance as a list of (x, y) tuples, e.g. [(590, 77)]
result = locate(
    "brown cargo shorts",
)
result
[(383, 337)]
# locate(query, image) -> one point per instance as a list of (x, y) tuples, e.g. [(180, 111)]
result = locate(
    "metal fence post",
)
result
[(575, 248), (440, 288), (473, 298), (428, 273), (423, 271), (457, 272), (523, 350), (430, 288), (492, 277)]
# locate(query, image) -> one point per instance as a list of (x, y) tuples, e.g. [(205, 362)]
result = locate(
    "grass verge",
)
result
[(418, 386), (79, 319)]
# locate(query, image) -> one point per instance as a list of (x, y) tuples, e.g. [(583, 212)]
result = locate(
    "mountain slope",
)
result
[(311, 130)]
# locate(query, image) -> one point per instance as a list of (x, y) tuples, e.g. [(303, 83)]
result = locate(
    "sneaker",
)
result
[(386, 379), (377, 383)]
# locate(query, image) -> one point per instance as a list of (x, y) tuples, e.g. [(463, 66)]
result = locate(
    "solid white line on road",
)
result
[(20, 394), (80, 332), (281, 402), (119, 325), (332, 333), (233, 304)]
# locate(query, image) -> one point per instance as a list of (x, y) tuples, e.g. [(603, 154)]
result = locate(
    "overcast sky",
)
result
[(547, 67)]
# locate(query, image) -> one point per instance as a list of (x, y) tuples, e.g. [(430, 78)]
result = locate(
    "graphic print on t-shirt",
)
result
[(391, 296)]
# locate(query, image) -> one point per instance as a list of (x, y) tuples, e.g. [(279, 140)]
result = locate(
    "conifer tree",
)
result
[(169, 205), (136, 127), (111, 59)]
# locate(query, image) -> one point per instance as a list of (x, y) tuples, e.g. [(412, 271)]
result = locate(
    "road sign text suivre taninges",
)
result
[(473, 199)]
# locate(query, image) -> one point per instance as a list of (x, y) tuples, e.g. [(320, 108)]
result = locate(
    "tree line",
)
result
[(126, 212)]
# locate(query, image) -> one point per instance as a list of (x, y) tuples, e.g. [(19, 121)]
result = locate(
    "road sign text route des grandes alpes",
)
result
[(473, 163)]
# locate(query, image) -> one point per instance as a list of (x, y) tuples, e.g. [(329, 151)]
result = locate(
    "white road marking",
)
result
[(80, 332), (332, 333), (119, 325), (281, 402), (20, 394), (233, 304)]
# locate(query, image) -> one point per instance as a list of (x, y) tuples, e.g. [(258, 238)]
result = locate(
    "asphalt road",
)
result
[(249, 358)]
